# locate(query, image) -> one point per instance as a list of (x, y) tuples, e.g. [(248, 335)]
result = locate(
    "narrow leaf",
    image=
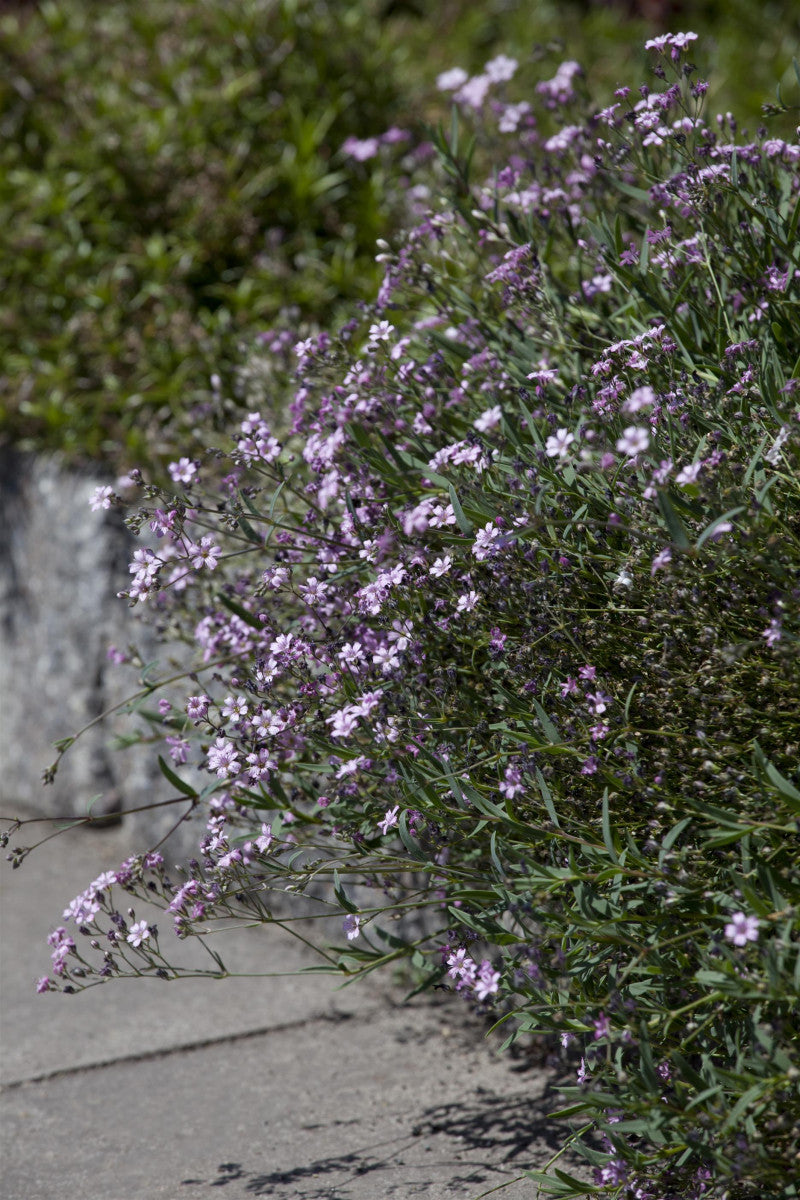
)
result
[(463, 523), (673, 522), (176, 781), (550, 731)]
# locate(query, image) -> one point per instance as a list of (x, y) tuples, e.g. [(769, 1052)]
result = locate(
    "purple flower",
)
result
[(602, 1027), (350, 926)]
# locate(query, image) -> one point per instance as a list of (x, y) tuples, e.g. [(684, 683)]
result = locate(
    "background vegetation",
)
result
[(171, 179)]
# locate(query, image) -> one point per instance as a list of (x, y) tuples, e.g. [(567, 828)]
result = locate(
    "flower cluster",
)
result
[(501, 629)]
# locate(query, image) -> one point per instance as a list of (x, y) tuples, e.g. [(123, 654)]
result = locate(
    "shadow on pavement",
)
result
[(471, 1139)]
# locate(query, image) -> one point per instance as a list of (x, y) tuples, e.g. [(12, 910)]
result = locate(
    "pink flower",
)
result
[(772, 633), (361, 149), (487, 980), (204, 554), (488, 419), (182, 471), (461, 967), (501, 68), (688, 474), (742, 929), (473, 92), (661, 559)]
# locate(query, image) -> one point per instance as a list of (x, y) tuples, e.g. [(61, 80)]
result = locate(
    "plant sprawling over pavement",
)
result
[(503, 628)]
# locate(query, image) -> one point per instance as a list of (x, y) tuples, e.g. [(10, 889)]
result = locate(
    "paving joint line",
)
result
[(336, 1017)]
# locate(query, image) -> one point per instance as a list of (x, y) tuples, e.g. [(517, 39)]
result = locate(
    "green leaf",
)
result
[(176, 781), (233, 606), (608, 840), (341, 894), (248, 531), (463, 524), (786, 789), (674, 833), (673, 522), (550, 731), (453, 147), (547, 797), (498, 866), (709, 530), (644, 256), (407, 840)]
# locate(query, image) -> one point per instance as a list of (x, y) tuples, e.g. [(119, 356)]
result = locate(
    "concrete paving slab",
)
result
[(53, 1032), (282, 1087), (397, 1106)]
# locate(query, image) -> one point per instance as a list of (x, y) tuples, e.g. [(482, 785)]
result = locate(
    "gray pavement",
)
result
[(280, 1085)]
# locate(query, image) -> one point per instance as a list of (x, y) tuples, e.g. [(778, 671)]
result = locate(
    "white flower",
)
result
[(643, 397), (688, 474), (448, 81), (139, 933), (634, 440), (501, 68), (100, 498), (558, 444), (772, 455), (488, 419), (441, 566)]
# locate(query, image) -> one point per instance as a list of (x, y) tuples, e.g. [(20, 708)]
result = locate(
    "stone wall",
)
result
[(61, 566)]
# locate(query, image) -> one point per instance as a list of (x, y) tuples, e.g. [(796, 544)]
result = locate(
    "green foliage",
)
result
[(170, 178), (505, 633), (749, 47)]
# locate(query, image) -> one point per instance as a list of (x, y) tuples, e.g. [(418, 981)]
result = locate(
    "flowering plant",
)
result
[(498, 625)]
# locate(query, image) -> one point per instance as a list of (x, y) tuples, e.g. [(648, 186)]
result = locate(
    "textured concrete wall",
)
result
[(61, 566)]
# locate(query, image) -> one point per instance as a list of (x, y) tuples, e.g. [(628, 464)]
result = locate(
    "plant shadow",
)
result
[(463, 1147)]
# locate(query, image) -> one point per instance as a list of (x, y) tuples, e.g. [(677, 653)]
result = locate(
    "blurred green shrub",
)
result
[(169, 177), (747, 47)]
